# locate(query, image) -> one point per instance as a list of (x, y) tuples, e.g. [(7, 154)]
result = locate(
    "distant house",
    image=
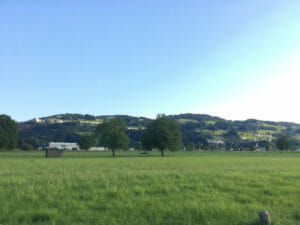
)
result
[(216, 141), (261, 149), (38, 120), (63, 145)]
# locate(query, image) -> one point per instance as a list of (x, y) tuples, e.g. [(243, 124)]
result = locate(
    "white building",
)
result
[(261, 149), (63, 145), (216, 141), (97, 149)]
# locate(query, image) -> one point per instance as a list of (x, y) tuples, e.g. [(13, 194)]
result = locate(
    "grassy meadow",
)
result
[(226, 188)]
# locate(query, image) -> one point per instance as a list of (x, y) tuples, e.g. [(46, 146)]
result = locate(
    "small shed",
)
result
[(54, 153)]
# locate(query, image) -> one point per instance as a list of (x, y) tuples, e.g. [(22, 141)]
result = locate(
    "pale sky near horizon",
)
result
[(234, 59)]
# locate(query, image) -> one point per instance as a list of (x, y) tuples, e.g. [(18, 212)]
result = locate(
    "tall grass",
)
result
[(204, 188)]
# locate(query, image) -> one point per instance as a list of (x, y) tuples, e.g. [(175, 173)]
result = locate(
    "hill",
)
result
[(196, 128)]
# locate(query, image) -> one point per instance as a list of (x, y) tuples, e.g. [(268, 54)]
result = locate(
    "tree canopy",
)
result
[(112, 135), (8, 133), (194, 128), (86, 142), (29, 143), (163, 133), (283, 143), (232, 136)]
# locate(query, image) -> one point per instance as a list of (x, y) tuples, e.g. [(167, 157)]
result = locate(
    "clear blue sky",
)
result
[(226, 58)]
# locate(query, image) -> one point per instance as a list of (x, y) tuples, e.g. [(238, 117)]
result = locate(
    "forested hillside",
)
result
[(196, 128)]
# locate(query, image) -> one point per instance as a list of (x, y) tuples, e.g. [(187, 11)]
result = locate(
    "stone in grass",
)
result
[(264, 217)]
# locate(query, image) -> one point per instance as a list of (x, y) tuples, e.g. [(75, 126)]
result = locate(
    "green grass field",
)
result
[(226, 188)]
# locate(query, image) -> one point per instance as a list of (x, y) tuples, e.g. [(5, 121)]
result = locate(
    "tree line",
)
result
[(163, 133), (8, 133)]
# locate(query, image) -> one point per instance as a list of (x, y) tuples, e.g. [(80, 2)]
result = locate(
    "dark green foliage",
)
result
[(72, 128), (29, 143), (204, 144), (72, 117), (196, 138), (211, 127), (232, 136), (163, 133), (194, 128), (247, 125), (191, 147), (59, 132), (86, 142), (283, 143), (228, 147), (295, 143), (222, 125), (112, 135), (25, 145), (135, 138), (232, 133), (252, 147), (297, 131), (8, 133), (197, 117), (128, 120), (89, 117), (268, 147), (266, 144), (189, 134), (146, 141)]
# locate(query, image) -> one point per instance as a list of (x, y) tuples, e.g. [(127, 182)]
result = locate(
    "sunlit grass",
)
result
[(204, 188)]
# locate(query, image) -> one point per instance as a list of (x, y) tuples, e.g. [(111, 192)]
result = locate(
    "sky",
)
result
[(234, 59)]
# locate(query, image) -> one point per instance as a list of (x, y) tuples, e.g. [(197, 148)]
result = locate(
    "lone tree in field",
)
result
[(86, 142), (8, 133), (283, 143), (112, 135), (163, 133)]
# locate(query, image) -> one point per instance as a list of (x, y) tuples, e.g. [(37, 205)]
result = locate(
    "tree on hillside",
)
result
[(112, 135), (8, 133), (232, 136), (86, 142), (283, 143), (163, 133)]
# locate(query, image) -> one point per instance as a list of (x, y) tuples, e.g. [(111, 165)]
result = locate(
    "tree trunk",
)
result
[(162, 152), (113, 151)]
